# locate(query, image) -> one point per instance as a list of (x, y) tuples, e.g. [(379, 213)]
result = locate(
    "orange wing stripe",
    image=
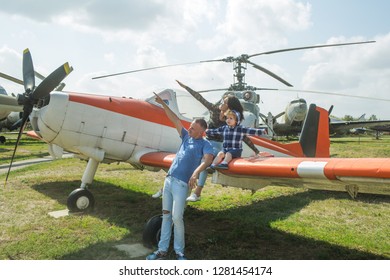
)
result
[(288, 167), (158, 159)]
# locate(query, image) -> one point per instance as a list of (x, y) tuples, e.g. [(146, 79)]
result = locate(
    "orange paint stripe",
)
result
[(264, 167), (360, 167), (126, 106), (158, 159), (291, 149)]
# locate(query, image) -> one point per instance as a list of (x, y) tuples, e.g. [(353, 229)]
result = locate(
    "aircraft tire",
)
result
[(2, 139), (152, 231), (80, 200)]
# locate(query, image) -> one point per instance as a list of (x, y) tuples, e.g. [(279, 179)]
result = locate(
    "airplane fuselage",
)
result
[(103, 127), (109, 128)]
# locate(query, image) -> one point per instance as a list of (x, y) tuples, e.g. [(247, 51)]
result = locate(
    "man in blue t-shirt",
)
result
[(181, 178)]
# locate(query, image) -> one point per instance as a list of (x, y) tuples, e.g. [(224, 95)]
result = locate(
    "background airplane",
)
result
[(10, 112), (295, 113)]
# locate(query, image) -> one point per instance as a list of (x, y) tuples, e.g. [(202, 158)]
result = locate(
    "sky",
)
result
[(99, 37)]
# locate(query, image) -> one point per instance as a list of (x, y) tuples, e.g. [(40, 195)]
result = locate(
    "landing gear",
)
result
[(80, 200), (152, 231), (2, 139)]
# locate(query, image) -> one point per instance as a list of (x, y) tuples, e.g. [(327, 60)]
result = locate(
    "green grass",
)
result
[(229, 223), (27, 148)]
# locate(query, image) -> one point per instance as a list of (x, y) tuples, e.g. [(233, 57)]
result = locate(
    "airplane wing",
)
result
[(335, 174), (9, 104), (158, 159), (341, 127)]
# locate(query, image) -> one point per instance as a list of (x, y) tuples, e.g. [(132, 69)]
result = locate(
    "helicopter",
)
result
[(295, 111)]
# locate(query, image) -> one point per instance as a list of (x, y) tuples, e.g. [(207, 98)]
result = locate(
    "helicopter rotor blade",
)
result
[(12, 79), (311, 47), (28, 71), (334, 93), (211, 90), (330, 110), (273, 75), (143, 69), (39, 76)]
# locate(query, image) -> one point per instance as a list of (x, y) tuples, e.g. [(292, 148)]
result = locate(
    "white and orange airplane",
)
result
[(103, 129)]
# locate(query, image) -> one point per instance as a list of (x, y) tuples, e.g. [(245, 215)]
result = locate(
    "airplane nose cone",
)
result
[(47, 121)]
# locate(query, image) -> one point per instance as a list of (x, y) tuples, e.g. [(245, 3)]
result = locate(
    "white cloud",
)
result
[(99, 37)]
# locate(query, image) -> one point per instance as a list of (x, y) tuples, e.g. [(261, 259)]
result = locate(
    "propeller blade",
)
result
[(12, 79), (311, 47), (28, 71), (52, 81), (60, 87), (269, 73), (16, 146)]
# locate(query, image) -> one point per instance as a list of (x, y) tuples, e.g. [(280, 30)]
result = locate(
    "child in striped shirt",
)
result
[(233, 134)]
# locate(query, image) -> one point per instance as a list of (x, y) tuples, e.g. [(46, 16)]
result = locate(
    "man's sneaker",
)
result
[(157, 194), (181, 257), (222, 166), (193, 198), (158, 255)]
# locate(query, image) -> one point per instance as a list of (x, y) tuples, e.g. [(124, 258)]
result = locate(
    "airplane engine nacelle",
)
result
[(47, 121), (13, 117)]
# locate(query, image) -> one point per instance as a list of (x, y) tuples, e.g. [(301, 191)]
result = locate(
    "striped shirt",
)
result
[(232, 137)]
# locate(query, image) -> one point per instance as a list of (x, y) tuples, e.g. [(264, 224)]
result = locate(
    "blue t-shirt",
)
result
[(189, 156)]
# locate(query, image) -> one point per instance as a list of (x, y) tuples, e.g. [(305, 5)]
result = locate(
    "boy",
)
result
[(233, 134)]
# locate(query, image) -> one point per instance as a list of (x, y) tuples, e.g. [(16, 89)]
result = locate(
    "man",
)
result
[(181, 177)]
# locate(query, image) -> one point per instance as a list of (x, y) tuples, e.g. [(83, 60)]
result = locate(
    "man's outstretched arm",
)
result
[(170, 114)]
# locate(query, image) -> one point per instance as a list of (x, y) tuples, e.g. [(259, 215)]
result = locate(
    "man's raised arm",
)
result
[(170, 114)]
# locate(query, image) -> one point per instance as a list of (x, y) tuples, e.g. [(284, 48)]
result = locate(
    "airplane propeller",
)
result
[(33, 93)]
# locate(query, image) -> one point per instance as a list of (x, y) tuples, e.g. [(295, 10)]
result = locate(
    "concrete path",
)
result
[(23, 163)]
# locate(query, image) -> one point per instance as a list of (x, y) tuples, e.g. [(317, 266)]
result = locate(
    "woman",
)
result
[(217, 119)]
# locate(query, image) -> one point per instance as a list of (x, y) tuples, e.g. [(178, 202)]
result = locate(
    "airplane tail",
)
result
[(314, 139)]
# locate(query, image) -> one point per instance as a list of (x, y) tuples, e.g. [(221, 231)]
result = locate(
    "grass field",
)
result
[(229, 223)]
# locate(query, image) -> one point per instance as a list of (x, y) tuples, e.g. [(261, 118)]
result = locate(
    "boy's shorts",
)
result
[(234, 152)]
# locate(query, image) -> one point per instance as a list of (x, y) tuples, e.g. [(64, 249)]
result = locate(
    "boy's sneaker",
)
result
[(222, 166), (210, 169), (157, 194), (181, 257), (157, 255), (193, 198)]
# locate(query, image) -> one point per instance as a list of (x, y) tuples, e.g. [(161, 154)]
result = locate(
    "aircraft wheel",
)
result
[(152, 231), (2, 139), (80, 200)]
